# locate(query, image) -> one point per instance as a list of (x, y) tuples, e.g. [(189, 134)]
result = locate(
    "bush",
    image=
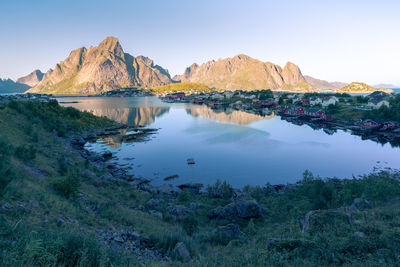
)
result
[(190, 225), (220, 190), (6, 170), (25, 153), (67, 186)]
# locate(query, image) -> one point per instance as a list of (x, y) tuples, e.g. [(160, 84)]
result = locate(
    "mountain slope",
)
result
[(32, 79), (101, 68), (322, 84), (8, 86), (245, 73)]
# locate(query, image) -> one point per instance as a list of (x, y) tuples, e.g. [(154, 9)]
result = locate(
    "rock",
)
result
[(321, 220), (190, 161), (171, 177), (227, 212), (196, 206), (181, 252), (224, 234), (240, 208), (360, 204), (156, 214), (78, 141), (178, 210), (6, 206), (166, 189), (248, 209), (154, 204), (192, 187), (360, 234), (107, 155)]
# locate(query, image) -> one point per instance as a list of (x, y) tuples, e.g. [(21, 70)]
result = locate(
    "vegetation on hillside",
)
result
[(58, 209), (182, 87)]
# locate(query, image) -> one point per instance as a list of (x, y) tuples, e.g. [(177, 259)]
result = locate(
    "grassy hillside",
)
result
[(58, 209), (181, 87)]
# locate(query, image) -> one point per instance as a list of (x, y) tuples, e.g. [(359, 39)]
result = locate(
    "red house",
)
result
[(305, 102), (179, 95), (370, 125), (389, 125)]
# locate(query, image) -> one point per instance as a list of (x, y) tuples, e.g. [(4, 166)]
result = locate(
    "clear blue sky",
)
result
[(354, 40)]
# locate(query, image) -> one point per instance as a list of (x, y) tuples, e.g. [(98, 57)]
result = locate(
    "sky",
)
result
[(353, 40)]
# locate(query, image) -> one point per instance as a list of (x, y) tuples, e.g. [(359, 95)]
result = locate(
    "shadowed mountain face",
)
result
[(8, 86), (31, 79), (101, 68), (140, 116), (322, 84), (246, 73), (231, 116)]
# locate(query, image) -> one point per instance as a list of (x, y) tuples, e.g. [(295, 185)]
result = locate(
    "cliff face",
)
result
[(101, 68), (245, 73), (31, 79)]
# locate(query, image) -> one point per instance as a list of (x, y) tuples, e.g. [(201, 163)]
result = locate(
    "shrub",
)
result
[(67, 186), (220, 190), (25, 153), (6, 171), (190, 225)]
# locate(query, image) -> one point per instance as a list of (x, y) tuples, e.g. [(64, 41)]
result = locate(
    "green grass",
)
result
[(56, 208)]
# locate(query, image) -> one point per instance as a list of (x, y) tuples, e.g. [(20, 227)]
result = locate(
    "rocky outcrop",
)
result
[(246, 73), (31, 79), (101, 68), (361, 88)]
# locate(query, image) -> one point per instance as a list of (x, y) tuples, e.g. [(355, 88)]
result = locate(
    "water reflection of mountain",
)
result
[(227, 115), (131, 116)]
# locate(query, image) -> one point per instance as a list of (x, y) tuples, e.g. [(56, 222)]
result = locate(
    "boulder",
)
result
[(165, 189), (192, 187), (154, 204), (181, 252), (248, 209), (321, 220), (360, 204), (227, 212), (178, 210)]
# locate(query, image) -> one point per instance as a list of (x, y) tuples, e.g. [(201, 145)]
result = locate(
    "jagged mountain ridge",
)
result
[(101, 68), (245, 73), (32, 79)]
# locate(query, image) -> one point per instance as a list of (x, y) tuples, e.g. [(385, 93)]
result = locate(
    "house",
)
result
[(315, 113), (378, 101), (228, 94), (389, 125), (371, 124), (176, 96), (305, 102), (330, 100), (326, 117), (314, 100)]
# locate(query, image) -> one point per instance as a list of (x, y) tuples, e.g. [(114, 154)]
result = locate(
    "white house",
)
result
[(315, 100), (377, 102), (332, 100)]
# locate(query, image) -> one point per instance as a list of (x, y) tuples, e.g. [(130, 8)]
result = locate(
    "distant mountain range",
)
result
[(322, 84), (8, 86), (386, 85), (106, 67)]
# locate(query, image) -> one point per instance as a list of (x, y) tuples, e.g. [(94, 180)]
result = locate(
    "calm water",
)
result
[(235, 146)]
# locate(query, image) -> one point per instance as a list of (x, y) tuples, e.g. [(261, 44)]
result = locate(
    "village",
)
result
[(330, 112)]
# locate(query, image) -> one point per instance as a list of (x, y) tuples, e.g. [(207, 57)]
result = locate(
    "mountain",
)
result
[(8, 86), (245, 73), (361, 88), (101, 68), (31, 79), (385, 85), (322, 84)]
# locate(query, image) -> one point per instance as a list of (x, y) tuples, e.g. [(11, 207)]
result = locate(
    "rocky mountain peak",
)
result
[(112, 44), (32, 78)]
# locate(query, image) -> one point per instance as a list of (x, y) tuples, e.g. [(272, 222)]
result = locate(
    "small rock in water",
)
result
[(190, 161), (171, 177)]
